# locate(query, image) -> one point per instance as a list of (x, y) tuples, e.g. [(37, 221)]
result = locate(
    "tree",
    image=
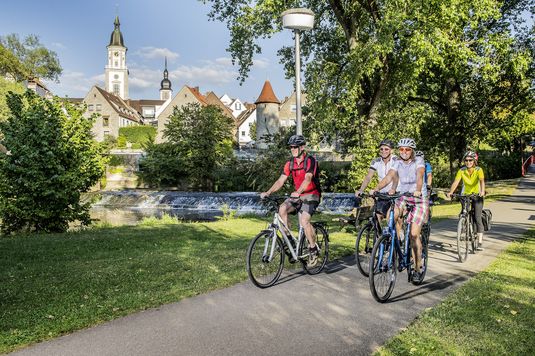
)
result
[(37, 61), (203, 136), (398, 67), (7, 86), (53, 159)]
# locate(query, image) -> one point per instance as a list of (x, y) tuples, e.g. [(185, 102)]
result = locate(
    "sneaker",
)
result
[(416, 276), (313, 256)]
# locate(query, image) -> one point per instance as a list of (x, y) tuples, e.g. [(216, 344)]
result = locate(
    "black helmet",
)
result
[(297, 140), (386, 142)]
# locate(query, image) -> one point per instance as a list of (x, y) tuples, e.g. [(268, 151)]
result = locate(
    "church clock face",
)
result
[(116, 54)]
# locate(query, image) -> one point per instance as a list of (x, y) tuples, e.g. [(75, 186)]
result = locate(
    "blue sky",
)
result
[(79, 31)]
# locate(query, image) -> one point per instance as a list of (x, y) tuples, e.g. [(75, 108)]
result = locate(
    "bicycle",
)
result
[(391, 254), (466, 227), (265, 255), (367, 236)]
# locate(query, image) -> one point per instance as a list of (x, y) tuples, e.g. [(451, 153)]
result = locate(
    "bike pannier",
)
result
[(486, 217)]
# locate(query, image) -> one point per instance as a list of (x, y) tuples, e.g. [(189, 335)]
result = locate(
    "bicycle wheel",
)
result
[(424, 236), (462, 239), (264, 273), (382, 275), (322, 241), (363, 248)]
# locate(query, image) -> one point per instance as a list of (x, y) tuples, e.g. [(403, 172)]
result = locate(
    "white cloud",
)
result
[(75, 84), (224, 61), (261, 63), (59, 45), (155, 53)]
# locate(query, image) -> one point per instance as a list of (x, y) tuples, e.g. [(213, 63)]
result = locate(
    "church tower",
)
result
[(116, 78), (165, 86)]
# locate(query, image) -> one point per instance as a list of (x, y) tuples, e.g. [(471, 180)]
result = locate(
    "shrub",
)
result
[(137, 135), (53, 160), (162, 166)]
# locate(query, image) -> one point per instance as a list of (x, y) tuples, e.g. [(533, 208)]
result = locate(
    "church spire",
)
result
[(116, 38), (165, 85)]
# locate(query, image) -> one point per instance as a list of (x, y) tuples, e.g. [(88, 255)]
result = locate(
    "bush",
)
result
[(162, 166), (53, 160), (137, 135), (500, 166)]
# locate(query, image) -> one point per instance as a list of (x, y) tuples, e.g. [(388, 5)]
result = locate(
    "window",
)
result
[(237, 106), (90, 107), (98, 107), (116, 89), (293, 108), (106, 134), (105, 121), (243, 133)]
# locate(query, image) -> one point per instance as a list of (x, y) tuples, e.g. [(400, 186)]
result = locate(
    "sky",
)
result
[(79, 31)]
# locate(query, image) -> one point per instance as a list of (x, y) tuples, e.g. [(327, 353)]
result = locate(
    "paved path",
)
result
[(329, 314)]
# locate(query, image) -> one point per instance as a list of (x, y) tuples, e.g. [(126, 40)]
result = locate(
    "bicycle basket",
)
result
[(362, 213)]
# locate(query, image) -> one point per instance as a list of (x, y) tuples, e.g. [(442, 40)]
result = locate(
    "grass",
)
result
[(492, 314), (55, 284)]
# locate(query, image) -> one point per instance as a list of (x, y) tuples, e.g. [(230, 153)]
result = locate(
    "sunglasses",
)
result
[(294, 146), (469, 160), (405, 149)]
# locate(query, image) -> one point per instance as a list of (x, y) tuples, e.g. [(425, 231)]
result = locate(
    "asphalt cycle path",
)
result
[(332, 313)]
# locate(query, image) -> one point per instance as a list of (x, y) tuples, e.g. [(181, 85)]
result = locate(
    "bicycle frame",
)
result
[(395, 243), (279, 225)]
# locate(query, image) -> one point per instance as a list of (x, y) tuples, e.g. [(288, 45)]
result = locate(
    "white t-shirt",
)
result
[(382, 169), (407, 175)]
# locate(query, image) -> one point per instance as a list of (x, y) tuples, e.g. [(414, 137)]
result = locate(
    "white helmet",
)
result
[(407, 142)]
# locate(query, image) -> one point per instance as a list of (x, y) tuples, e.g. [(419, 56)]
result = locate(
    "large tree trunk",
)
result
[(457, 140)]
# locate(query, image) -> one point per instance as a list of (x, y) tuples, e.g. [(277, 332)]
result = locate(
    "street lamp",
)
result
[(297, 20)]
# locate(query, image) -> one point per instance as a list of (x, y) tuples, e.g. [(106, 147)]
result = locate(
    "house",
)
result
[(244, 123), (186, 95), (112, 113)]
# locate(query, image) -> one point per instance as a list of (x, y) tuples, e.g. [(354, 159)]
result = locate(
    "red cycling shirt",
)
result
[(299, 172)]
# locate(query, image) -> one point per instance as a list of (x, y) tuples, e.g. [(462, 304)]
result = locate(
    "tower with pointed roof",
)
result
[(165, 86), (267, 115), (116, 74)]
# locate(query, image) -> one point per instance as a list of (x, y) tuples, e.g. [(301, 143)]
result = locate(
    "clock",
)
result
[(116, 54)]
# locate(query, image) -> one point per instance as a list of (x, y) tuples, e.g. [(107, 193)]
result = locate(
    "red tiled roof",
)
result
[(195, 91), (267, 95)]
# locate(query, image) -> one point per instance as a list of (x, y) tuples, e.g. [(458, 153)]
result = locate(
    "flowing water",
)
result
[(128, 207)]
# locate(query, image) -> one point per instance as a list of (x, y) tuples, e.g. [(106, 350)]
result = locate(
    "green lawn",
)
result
[(492, 314), (55, 284)]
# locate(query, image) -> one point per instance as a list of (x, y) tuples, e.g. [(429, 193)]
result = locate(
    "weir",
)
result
[(199, 205)]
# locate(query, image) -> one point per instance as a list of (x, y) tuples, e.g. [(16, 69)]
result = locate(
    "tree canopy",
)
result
[(27, 58), (447, 72)]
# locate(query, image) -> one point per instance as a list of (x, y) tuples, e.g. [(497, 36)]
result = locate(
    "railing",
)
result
[(525, 165)]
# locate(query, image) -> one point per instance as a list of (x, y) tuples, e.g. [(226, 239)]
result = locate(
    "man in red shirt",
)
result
[(306, 197)]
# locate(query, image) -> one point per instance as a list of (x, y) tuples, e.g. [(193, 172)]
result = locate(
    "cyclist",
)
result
[(306, 197), (381, 165), (428, 176), (473, 183), (409, 171)]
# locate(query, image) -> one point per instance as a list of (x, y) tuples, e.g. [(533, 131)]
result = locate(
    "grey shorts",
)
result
[(308, 203)]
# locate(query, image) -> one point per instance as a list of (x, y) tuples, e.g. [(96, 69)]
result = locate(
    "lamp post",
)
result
[(297, 20)]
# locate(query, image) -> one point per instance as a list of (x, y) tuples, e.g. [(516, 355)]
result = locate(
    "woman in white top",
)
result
[(409, 172)]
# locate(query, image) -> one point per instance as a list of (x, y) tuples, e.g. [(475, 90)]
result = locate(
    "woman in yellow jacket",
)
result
[(473, 183)]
